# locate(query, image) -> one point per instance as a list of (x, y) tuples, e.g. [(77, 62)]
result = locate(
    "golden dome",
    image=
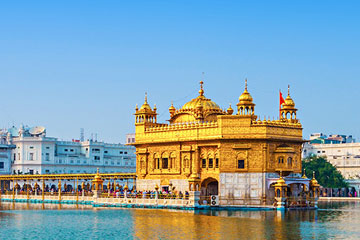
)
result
[(245, 97), (289, 103), (230, 110), (172, 108), (145, 106), (201, 102)]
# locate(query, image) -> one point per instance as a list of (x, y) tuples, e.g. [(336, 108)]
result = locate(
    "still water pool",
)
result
[(33, 221)]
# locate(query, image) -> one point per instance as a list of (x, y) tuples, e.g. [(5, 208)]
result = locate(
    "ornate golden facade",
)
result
[(215, 151)]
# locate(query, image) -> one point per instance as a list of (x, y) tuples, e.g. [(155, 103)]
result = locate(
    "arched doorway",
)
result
[(209, 186)]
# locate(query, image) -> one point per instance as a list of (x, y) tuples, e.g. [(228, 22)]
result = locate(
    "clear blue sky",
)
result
[(73, 64)]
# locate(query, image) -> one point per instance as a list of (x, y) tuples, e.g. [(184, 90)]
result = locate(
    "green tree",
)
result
[(326, 174)]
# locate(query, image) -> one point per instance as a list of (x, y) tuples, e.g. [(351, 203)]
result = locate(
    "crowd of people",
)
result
[(116, 192)]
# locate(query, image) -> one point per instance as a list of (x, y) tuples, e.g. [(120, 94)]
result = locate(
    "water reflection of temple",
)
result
[(151, 224)]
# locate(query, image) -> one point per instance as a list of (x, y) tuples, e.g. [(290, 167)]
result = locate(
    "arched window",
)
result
[(289, 161), (281, 160), (203, 163), (210, 160), (156, 161), (165, 161), (216, 161), (172, 160), (278, 193), (186, 162)]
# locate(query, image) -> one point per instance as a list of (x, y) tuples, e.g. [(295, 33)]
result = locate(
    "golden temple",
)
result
[(205, 148)]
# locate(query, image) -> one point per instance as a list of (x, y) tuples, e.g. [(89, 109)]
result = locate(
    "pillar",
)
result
[(43, 190), (59, 186)]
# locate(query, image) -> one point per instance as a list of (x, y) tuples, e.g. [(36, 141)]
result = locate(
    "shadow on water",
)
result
[(48, 221)]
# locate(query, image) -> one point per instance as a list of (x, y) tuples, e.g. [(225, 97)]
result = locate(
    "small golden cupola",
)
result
[(172, 109), (145, 114), (198, 109), (288, 110), (230, 110), (246, 107)]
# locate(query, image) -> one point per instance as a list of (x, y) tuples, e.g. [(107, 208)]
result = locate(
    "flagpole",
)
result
[(279, 105)]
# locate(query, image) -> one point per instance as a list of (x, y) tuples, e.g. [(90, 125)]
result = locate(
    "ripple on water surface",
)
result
[(22, 221)]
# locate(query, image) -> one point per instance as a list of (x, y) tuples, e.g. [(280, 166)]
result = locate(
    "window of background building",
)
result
[(105, 151), (31, 147), (31, 171), (121, 152), (241, 164), (47, 147), (65, 150), (96, 157), (1, 165), (31, 156), (14, 156), (47, 156), (47, 171)]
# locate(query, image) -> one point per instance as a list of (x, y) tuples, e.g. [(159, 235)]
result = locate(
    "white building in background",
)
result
[(31, 151), (5, 154), (344, 156), (341, 151), (130, 138)]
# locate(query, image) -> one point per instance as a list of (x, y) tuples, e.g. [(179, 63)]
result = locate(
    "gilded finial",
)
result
[(313, 174), (97, 171), (201, 91), (245, 84), (136, 107), (288, 90), (155, 107), (281, 174), (145, 97)]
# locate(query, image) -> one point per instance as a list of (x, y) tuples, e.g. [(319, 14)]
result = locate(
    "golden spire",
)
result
[(304, 175), (145, 98), (245, 84), (288, 90), (201, 91), (136, 107)]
